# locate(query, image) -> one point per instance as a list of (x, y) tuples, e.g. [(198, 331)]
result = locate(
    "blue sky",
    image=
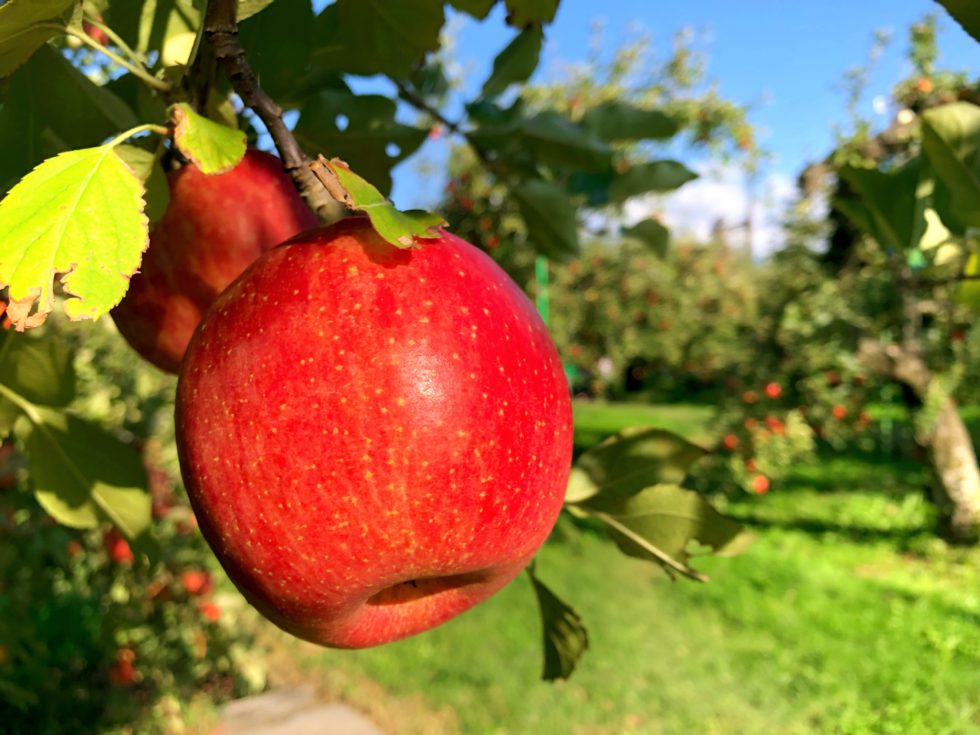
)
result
[(786, 58)]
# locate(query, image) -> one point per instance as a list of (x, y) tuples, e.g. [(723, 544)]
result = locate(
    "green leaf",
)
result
[(24, 27), (282, 67), (377, 36), (84, 476), (515, 63), (966, 13), (550, 218), (148, 168), (248, 8), (662, 522), (96, 114), (565, 638), (633, 459), (968, 292), (79, 214), (555, 139), (522, 13), (365, 141), (401, 229), (894, 215), (168, 26), (40, 369), (652, 234), (616, 120), (951, 138), (479, 9), (215, 148), (643, 178)]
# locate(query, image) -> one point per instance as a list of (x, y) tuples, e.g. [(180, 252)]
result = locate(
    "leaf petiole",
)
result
[(126, 134), (137, 70)]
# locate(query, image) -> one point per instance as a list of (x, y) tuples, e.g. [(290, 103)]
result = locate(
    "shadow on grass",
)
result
[(901, 538)]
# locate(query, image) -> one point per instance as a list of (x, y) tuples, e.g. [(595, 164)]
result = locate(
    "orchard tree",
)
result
[(376, 390), (904, 249)]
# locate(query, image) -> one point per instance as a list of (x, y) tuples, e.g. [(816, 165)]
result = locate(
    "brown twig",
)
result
[(418, 102), (221, 32)]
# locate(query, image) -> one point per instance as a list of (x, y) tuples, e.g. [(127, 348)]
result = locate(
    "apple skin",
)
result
[(213, 228), (373, 439)]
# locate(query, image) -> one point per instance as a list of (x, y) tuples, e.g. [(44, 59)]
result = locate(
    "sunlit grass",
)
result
[(847, 615)]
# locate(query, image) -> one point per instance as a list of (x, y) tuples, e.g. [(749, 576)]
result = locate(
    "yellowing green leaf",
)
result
[(399, 228), (215, 148), (78, 215), (83, 475), (24, 26)]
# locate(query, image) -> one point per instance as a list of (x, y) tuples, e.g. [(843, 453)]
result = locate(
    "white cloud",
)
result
[(720, 196)]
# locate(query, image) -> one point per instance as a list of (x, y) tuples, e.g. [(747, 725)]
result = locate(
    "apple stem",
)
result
[(221, 33)]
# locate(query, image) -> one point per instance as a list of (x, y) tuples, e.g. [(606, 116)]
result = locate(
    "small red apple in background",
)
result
[(839, 412), (374, 440), (95, 33), (123, 673), (760, 484), (730, 442), (196, 582), (210, 611), (773, 390), (117, 547), (213, 228)]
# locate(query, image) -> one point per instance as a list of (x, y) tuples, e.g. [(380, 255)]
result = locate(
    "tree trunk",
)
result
[(957, 488)]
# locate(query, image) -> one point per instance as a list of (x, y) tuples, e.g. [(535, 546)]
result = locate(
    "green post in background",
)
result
[(541, 278)]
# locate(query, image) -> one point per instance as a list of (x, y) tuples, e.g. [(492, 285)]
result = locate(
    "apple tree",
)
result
[(130, 120)]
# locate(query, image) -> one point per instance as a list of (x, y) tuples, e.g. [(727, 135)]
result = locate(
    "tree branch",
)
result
[(896, 363), (418, 102), (221, 32)]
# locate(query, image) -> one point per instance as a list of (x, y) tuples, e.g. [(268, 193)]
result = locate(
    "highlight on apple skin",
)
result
[(213, 228), (373, 439)]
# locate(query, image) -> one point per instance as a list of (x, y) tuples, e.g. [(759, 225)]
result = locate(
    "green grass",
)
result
[(846, 616), (594, 421)]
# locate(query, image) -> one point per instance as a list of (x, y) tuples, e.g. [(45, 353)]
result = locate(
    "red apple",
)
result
[(773, 390), (117, 547), (213, 228), (373, 439), (123, 673), (95, 33), (196, 582), (210, 611), (760, 484)]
